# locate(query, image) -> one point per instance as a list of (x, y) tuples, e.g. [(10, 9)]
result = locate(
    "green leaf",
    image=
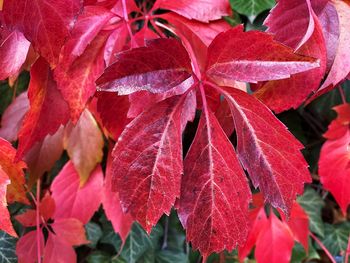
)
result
[(137, 243), (251, 8), (7, 248), (94, 233), (168, 256), (98, 257), (336, 237), (313, 203), (299, 253), (110, 237)]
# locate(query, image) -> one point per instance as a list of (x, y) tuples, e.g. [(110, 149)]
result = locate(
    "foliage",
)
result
[(156, 131)]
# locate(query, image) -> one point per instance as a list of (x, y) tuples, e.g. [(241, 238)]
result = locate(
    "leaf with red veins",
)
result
[(5, 221), (121, 222), (43, 155), (75, 201), (70, 231), (298, 11), (199, 34), (277, 97), (12, 118), (57, 250), (341, 64), (48, 111), (215, 194), (267, 150), (14, 170), (158, 67), (45, 23), (201, 10), (142, 100), (26, 247), (275, 242), (147, 162), (253, 56), (13, 52), (113, 110), (76, 81), (334, 169), (84, 144), (299, 225)]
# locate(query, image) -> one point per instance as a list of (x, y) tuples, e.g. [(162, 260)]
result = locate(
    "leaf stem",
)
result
[(38, 236), (126, 18), (323, 247), (342, 94), (347, 252)]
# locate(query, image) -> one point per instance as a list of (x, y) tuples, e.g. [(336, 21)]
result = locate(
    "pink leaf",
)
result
[(56, 250), (70, 231), (26, 248)]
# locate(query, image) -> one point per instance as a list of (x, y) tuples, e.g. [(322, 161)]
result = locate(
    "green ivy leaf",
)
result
[(313, 203), (94, 233), (336, 237), (168, 256), (98, 257), (7, 248), (251, 8)]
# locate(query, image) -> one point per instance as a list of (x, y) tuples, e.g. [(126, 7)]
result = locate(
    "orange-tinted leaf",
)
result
[(84, 144), (5, 221), (15, 190), (48, 111)]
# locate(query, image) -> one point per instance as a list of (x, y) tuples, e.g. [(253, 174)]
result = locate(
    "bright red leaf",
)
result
[(75, 201), (258, 58), (5, 221)]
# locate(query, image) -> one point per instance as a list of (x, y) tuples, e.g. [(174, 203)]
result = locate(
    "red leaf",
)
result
[(340, 126), (259, 58), (56, 250), (14, 170), (275, 242), (153, 68), (45, 23), (341, 64), (111, 203), (214, 194), (113, 110), (76, 80), (74, 201), (48, 111), (269, 153), (70, 230), (26, 248), (28, 218), (84, 144), (5, 221), (13, 52), (12, 118), (299, 225), (334, 169), (147, 162), (201, 10), (274, 93), (43, 155)]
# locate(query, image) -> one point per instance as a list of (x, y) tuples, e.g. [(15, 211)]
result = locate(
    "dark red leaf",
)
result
[(154, 68), (215, 194)]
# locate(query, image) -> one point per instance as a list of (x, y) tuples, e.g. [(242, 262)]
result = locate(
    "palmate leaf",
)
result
[(7, 248), (336, 237), (251, 8)]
